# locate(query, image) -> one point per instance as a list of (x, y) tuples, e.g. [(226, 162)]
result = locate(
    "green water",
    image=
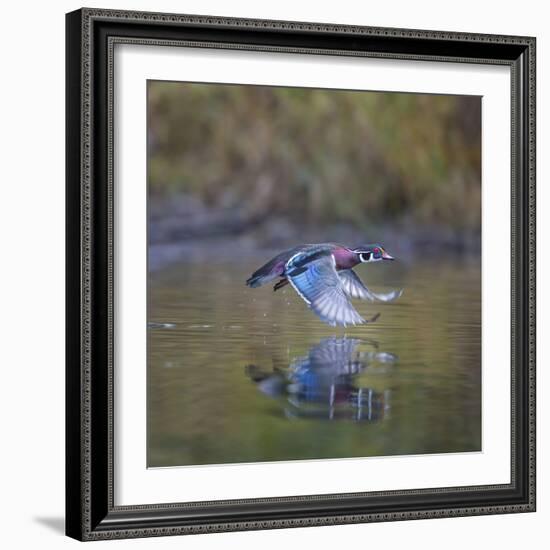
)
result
[(245, 375)]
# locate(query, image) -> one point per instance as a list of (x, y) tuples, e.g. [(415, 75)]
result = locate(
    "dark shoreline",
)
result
[(180, 242)]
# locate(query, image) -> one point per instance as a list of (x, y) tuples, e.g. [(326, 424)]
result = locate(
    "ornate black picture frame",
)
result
[(90, 510)]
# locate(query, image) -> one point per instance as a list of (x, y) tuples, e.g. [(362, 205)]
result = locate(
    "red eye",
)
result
[(376, 250)]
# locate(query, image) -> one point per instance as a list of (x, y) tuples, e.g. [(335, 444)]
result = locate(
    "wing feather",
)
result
[(318, 284), (355, 288)]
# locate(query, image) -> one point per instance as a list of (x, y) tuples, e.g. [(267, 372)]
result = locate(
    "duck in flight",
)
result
[(323, 276)]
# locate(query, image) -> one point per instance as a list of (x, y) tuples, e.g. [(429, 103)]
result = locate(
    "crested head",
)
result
[(371, 253)]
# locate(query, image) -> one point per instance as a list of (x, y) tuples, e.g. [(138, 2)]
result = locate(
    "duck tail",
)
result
[(263, 275), (254, 281)]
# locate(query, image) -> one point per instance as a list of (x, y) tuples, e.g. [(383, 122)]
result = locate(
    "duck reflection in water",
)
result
[(322, 384)]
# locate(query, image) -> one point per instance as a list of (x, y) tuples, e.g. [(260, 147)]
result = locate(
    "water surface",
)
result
[(246, 375)]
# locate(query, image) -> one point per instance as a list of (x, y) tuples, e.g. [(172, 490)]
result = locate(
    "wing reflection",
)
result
[(324, 383)]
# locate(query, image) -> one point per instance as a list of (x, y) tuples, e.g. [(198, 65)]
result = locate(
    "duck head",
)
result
[(371, 253)]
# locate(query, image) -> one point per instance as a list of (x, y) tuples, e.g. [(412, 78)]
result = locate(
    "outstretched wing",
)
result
[(354, 287), (317, 282)]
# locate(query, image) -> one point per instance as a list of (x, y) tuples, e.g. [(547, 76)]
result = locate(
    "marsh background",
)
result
[(238, 173)]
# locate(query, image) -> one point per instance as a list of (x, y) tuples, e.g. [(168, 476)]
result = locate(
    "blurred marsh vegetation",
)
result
[(314, 157)]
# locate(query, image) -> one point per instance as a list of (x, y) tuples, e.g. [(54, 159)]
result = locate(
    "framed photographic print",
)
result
[(300, 274)]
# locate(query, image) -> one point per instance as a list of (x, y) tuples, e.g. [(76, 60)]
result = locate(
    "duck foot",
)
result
[(280, 284)]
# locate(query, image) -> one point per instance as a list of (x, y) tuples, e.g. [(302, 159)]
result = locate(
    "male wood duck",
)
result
[(322, 275)]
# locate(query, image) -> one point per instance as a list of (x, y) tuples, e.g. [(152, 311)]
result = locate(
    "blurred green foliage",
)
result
[(317, 156)]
